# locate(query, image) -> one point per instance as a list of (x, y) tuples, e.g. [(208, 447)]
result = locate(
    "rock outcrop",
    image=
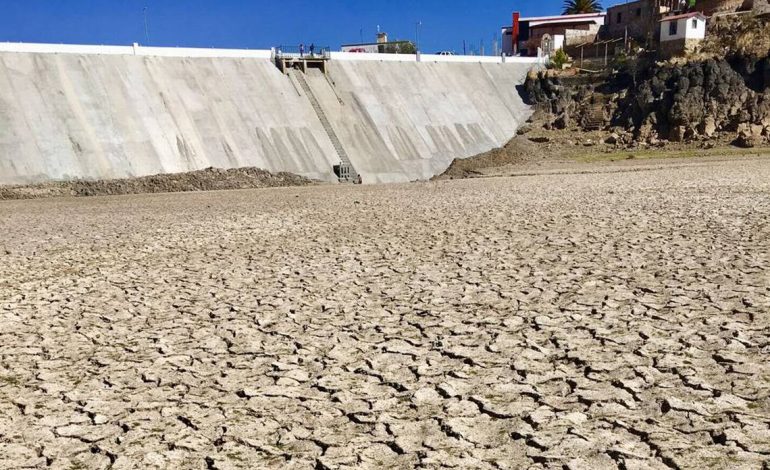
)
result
[(720, 92), (694, 100), (675, 102)]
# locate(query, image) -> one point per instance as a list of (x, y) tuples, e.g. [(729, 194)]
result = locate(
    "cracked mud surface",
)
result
[(572, 321)]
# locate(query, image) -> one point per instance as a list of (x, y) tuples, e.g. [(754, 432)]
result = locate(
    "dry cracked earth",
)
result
[(578, 321)]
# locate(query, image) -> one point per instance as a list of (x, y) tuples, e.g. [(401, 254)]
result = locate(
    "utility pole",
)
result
[(417, 35), (146, 28), (625, 41)]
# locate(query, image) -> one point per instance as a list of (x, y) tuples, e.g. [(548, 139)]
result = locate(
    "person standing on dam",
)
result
[(312, 50), (302, 50)]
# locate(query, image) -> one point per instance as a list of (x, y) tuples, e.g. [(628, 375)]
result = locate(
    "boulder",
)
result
[(646, 131), (746, 137), (562, 122), (708, 127), (678, 134)]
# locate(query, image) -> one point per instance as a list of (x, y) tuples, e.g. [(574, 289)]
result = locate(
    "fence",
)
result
[(303, 51), (595, 53)]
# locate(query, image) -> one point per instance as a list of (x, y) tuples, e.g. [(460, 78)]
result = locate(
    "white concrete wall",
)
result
[(684, 29), (468, 59), (132, 50), (65, 49), (580, 36), (407, 121), (239, 53), (558, 42), (66, 115)]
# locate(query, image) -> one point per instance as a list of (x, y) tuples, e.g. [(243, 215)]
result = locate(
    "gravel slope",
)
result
[(210, 179)]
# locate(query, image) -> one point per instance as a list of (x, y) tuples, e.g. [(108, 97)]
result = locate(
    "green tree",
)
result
[(574, 7), (398, 47), (408, 48), (559, 59)]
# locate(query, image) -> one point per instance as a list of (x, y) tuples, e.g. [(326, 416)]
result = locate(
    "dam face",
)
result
[(82, 116)]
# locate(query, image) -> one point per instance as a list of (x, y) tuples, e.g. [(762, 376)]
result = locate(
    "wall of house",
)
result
[(636, 17), (685, 29), (581, 36), (536, 34), (677, 47)]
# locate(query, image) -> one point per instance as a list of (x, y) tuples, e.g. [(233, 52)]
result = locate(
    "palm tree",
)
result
[(574, 7)]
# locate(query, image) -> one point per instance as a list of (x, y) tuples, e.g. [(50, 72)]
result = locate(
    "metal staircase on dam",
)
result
[(345, 171)]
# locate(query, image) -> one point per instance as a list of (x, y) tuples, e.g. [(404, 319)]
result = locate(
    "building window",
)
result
[(638, 12), (672, 28), (694, 23), (620, 17)]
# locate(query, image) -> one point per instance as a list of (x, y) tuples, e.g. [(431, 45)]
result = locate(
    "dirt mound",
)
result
[(210, 179), (533, 146), (517, 150)]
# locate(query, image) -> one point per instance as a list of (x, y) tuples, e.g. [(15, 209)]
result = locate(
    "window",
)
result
[(620, 17), (694, 23), (672, 28), (638, 12)]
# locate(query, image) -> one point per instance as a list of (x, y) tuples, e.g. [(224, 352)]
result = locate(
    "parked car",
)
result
[(445, 53)]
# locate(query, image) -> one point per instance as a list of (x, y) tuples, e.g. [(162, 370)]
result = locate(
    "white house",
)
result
[(681, 33)]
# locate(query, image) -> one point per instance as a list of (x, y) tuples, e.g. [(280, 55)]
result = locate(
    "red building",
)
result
[(526, 35)]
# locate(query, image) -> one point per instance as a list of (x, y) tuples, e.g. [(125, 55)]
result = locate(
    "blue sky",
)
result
[(260, 24)]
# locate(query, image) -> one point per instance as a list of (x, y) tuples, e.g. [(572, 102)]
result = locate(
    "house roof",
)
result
[(695, 14), (564, 17), (560, 19), (568, 20), (626, 5)]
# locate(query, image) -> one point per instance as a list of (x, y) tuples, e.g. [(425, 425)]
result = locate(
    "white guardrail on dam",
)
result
[(184, 52)]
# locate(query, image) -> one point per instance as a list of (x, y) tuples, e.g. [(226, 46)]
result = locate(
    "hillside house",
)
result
[(680, 34), (526, 35)]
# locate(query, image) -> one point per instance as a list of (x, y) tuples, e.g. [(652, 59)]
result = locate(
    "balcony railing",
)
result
[(305, 52)]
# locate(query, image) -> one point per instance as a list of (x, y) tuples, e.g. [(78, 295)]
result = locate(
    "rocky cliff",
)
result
[(719, 93)]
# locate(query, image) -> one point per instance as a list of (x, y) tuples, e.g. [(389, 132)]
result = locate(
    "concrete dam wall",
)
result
[(67, 116)]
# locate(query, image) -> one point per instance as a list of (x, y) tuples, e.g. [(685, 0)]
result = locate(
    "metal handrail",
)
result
[(299, 52)]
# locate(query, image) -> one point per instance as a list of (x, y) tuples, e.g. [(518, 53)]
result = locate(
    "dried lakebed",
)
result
[(580, 321)]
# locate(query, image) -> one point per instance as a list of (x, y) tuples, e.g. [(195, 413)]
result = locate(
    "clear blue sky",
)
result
[(259, 24)]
